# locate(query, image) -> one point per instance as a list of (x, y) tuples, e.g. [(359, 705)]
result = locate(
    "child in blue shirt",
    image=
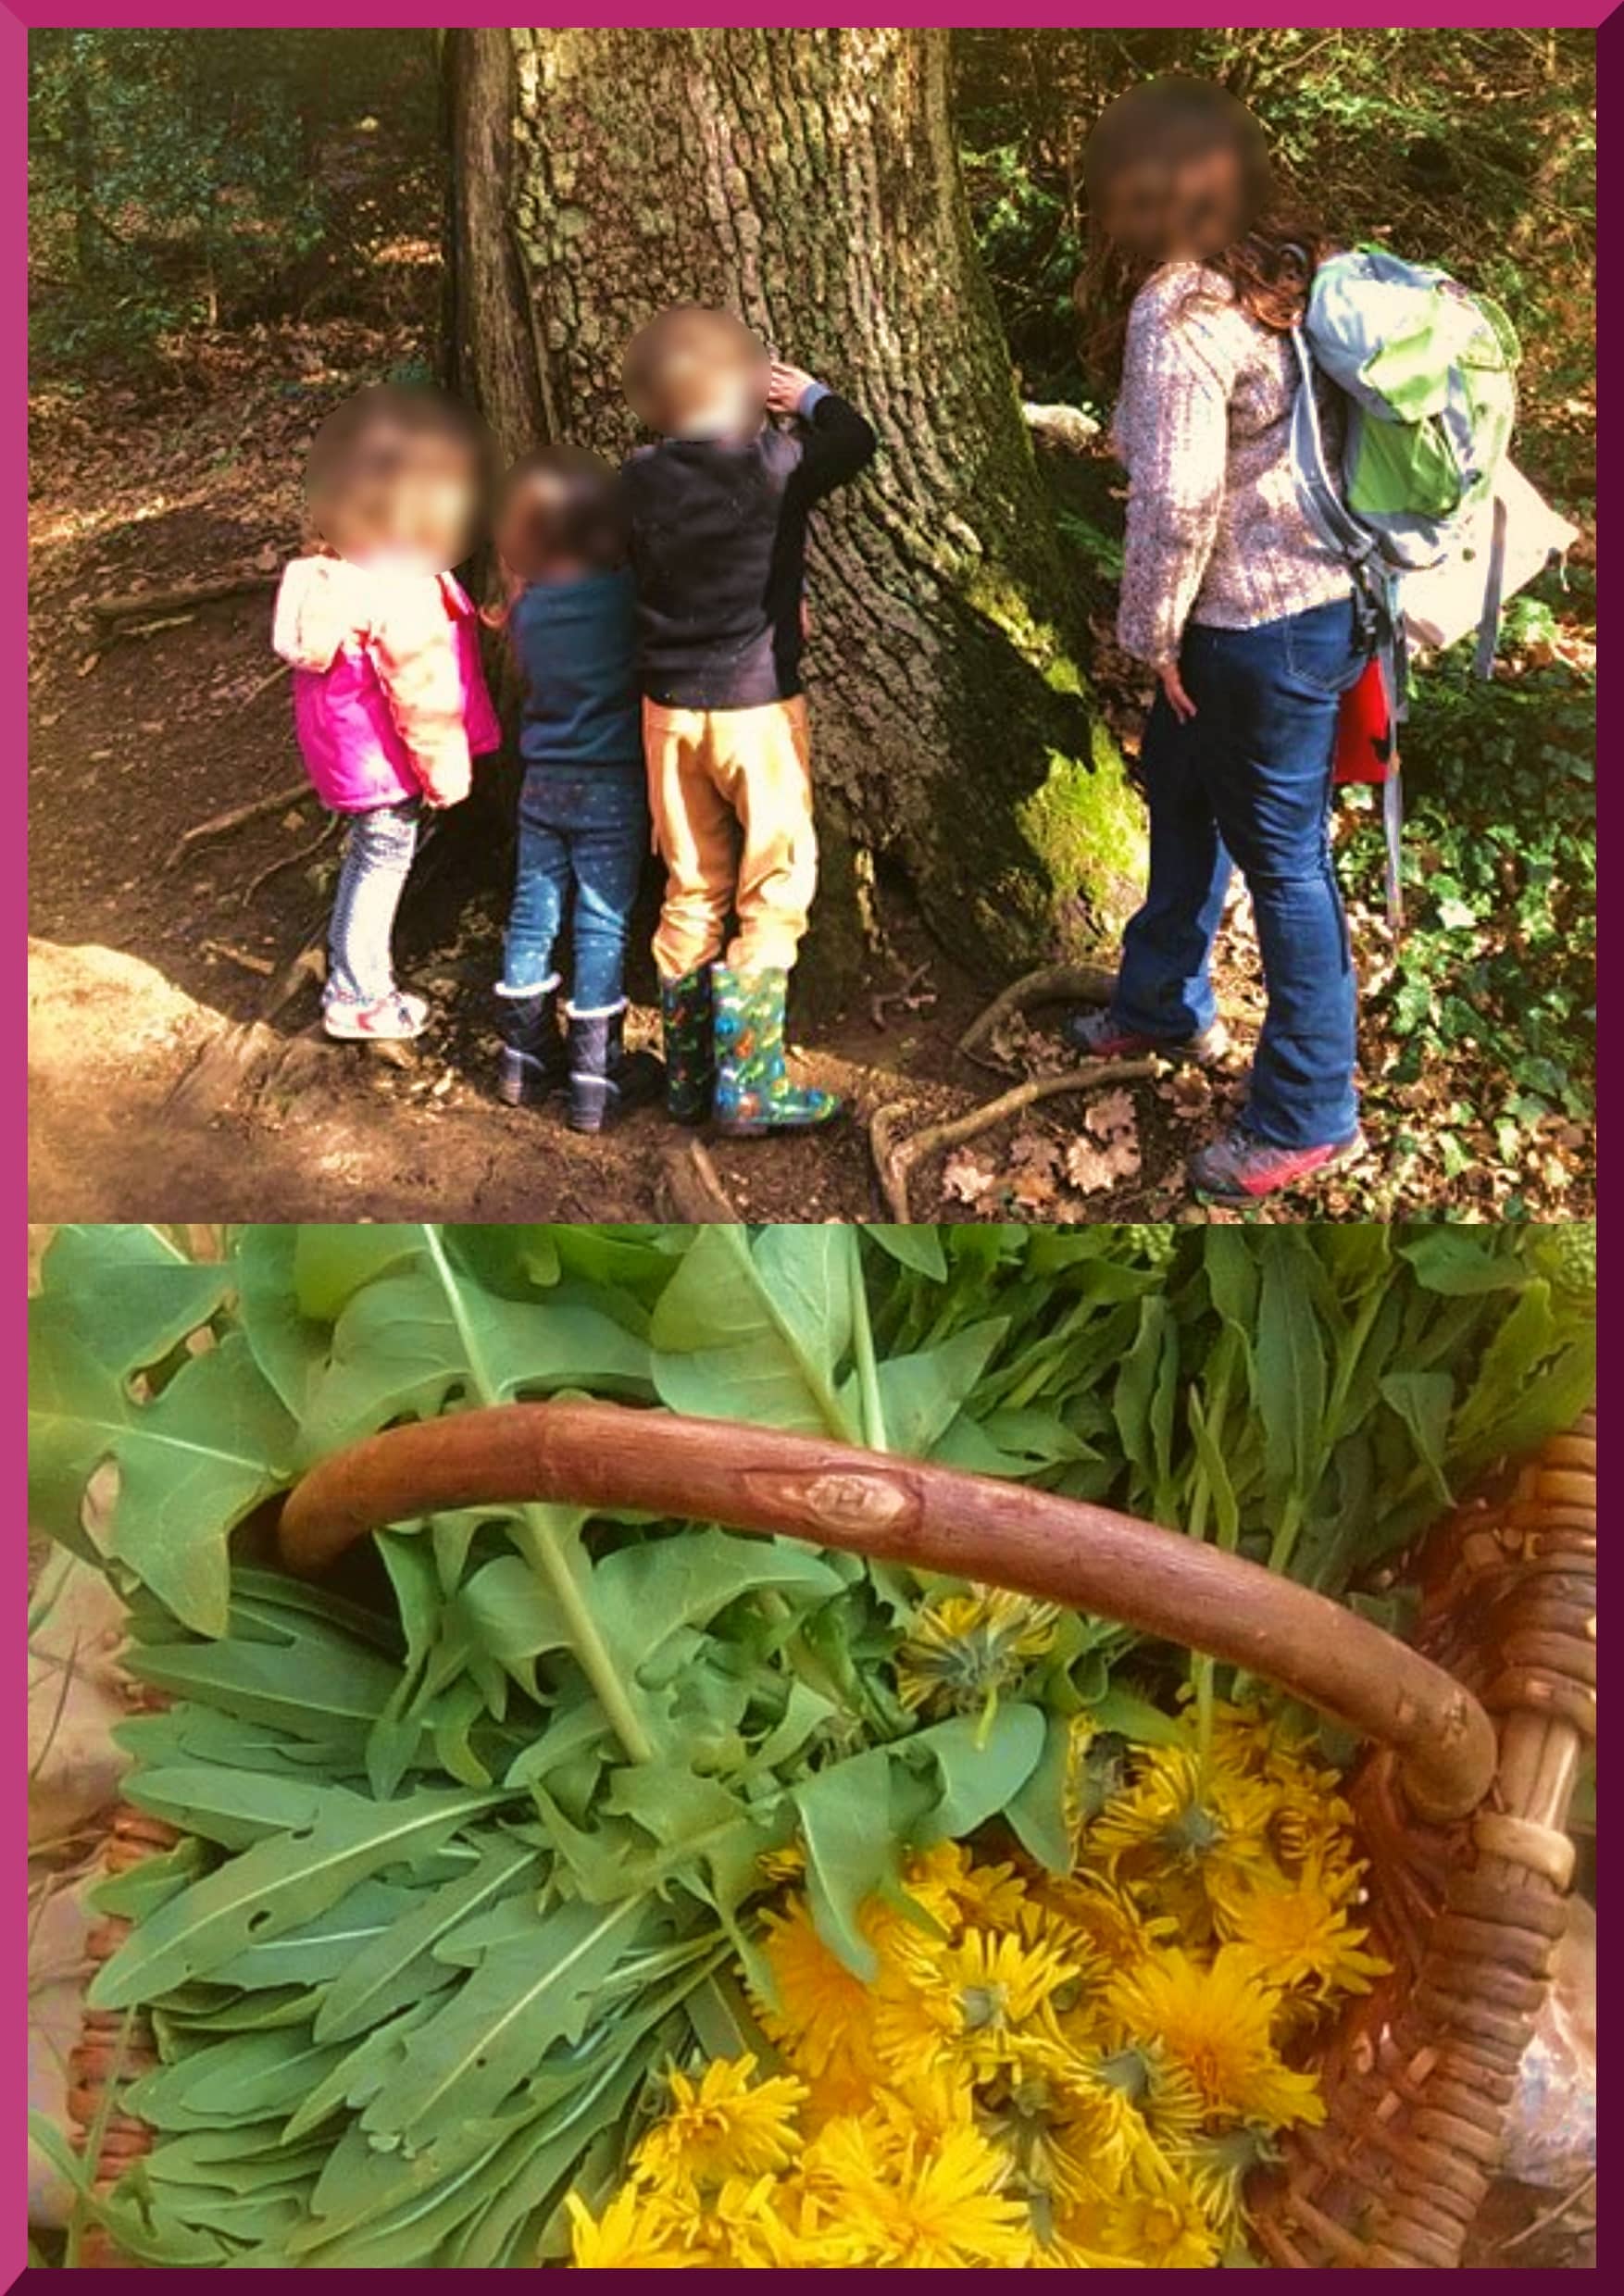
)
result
[(583, 823)]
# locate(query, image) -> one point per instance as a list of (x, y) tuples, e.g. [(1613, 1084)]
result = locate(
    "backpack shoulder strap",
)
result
[(1329, 516)]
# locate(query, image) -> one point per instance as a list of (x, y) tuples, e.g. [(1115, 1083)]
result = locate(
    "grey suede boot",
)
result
[(604, 1078), (532, 1064)]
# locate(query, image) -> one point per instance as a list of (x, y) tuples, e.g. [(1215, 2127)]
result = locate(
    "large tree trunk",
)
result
[(808, 181)]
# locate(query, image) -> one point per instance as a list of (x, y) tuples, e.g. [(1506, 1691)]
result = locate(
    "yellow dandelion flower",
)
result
[(957, 1887), (986, 2000), (1056, 2253), (726, 2124), (923, 2206), (1309, 1823), (1166, 2230), (1216, 2022), (1217, 2167), (1176, 1819), (823, 2011), (1300, 1932), (1122, 2104), (1117, 1929), (636, 2229), (963, 1650), (739, 2228)]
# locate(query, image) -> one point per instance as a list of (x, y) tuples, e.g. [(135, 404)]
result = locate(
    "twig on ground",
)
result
[(894, 1160), (1581, 2192), (1051, 984), (882, 1000), (263, 685), (238, 817), (117, 635), (291, 860), (145, 603), (263, 966), (692, 1183)]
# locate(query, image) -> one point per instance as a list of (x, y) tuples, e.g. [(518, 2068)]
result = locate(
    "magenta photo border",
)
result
[(15, 23)]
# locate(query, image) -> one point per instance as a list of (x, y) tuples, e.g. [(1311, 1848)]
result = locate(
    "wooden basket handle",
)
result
[(933, 1518)]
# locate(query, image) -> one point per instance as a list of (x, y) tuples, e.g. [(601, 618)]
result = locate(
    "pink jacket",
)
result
[(390, 700)]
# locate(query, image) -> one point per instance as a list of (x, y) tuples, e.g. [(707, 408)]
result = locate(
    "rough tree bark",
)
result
[(809, 181)]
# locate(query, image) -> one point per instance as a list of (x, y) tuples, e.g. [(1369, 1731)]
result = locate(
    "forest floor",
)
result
[(158, 1091)]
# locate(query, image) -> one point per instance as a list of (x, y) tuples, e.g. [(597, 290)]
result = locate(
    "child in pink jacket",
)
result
[(390, 702)]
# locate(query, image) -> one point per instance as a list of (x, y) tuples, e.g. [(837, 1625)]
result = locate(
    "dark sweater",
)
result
[(576, 646), (718, 542)]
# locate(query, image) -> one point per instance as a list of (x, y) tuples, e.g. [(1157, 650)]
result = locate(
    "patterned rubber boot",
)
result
[(532, 1064), (686, 1016), (604, 1078), (753, 1094)]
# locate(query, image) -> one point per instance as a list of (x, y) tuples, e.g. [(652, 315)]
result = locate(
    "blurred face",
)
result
[(694, 373), (1170, 201), (393, 479)]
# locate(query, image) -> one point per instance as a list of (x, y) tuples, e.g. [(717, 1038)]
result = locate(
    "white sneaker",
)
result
[(394, 1019)]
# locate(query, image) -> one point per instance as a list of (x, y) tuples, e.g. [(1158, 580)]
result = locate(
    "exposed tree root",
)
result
[(237, 817), (143, 604), (894, 1159), (690, 1180), (1051, 984), (291, 860)]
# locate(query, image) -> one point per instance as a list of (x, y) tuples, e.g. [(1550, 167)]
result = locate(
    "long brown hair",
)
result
[(1193, 165)]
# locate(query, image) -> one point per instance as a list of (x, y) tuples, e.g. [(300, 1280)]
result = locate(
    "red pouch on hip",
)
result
[(1363, 731)]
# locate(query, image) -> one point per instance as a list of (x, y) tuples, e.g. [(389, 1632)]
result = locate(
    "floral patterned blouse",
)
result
[(1216, 533)]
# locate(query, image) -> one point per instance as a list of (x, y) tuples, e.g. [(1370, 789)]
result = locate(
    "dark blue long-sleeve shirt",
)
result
[(576, 646)]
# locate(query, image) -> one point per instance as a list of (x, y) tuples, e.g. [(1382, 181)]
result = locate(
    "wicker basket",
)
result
[(1477, 1728)]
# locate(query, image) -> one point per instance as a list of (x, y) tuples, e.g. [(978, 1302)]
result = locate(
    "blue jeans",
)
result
[(582, 841), (378, 860), (1246, 783)]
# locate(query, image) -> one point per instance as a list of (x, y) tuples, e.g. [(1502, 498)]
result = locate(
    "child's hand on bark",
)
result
[(786, 387)]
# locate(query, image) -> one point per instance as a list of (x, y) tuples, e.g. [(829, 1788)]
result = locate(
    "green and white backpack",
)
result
[(1427, 375)]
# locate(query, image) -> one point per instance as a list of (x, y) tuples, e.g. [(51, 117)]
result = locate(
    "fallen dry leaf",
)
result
[(1113, 1112), (966, 1180)]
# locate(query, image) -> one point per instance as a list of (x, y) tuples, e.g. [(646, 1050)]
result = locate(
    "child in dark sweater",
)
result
[(718, 512), (571, 619)]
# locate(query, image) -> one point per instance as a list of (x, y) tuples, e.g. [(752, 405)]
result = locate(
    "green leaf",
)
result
[(246, 2077), (406, 1342), (287, 1879), (383, 1976), (290, 1346), (319, 1950), (918, 1246), (758, 1331), (331, 1263), (1423, 1399), (191, 1464), (852, 1852), (1037, 1811), (981, 1766), (1291, 1372), (922, 1394), (510, 2009), (1133, 1718), (1461, 1261), (142, 1296)]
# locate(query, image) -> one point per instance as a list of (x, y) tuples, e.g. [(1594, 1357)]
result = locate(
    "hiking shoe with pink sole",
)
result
[(1238, 1167), (394, 1019), (1099, 1037)]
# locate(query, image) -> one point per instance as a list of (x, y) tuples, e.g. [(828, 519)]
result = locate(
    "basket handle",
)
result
[(749, 1477)]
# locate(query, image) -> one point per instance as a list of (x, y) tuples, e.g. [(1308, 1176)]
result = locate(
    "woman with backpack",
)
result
[(1248, 619)]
